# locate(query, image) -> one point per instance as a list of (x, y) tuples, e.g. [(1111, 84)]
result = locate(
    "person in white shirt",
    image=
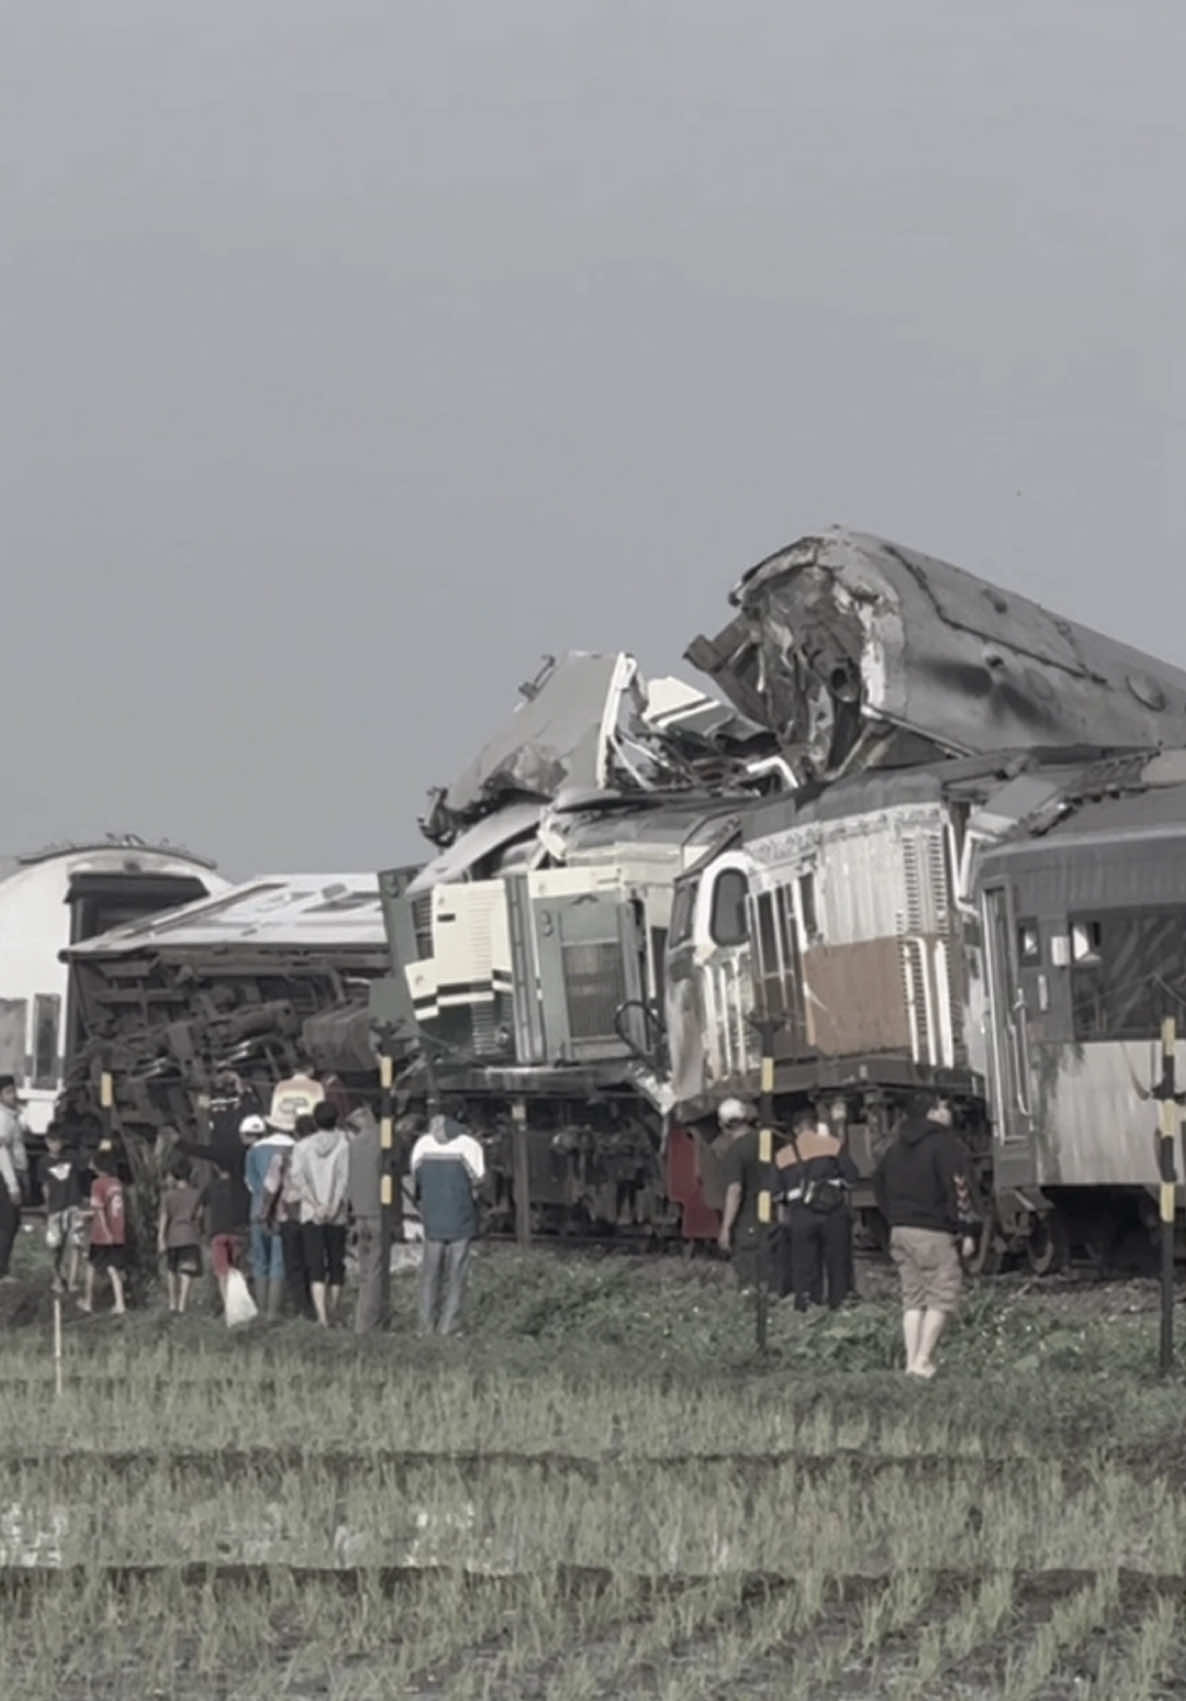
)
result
[(448, 1167)]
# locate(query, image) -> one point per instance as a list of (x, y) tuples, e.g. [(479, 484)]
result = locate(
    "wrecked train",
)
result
[(258, 979), (629, 872), (920, 717), (1006, 930)]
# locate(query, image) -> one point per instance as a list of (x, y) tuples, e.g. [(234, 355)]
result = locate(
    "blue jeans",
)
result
[(443, 1267), (267, 1254)]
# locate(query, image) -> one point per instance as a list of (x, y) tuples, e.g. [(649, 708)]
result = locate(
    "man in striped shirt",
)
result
[(448, 1167)]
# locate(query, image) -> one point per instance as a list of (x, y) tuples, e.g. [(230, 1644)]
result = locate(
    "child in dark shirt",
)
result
[(63, 1215), (179, 1232)]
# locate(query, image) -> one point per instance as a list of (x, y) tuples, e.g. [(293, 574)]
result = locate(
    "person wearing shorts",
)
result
[(108, 1239), (319, 1177), (179, 1233), (324, 1246), (923, 1189)]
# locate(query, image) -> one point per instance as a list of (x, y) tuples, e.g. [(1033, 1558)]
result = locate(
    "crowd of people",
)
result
[(923, 1189), (267, 1203), (271, 1199)]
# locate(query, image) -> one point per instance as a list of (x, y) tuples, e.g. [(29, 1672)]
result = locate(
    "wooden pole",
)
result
[(521, 1172), (1168, 1118), (58, 1345)]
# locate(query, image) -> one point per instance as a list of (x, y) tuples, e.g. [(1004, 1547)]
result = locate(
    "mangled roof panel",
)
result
[(591, 727), (858, 653)]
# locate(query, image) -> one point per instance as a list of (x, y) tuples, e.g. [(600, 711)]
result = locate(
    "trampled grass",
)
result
[(597, 1492)]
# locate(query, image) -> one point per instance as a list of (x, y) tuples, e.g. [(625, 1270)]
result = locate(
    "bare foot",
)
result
[(925, 1371), (83, 1306)]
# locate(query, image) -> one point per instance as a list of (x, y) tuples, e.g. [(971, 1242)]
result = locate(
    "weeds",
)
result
[(597, 1493)]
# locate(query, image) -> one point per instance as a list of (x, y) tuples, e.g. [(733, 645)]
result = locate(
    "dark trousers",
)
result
[(10, 1222), (821, 1255), (296, 1275)]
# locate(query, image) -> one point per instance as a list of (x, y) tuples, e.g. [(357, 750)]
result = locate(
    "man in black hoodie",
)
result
[(923, 1190)]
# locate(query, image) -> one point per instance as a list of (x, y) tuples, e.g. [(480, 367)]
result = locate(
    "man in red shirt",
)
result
[(108, 1247)]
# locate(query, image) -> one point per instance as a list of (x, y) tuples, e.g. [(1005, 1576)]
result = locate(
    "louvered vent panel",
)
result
[(485, 1040), (913, 886)]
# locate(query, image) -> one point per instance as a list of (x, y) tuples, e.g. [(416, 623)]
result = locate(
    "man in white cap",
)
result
[(742, 1176), (267, 1245)]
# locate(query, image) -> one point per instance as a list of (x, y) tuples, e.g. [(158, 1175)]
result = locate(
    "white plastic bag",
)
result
[(240, 1307)]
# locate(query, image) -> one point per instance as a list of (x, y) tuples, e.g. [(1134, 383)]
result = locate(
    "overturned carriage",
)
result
[(258, 980)]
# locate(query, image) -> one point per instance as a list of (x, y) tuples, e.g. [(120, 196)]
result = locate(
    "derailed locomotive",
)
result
[(1006, 931), (922, 717)]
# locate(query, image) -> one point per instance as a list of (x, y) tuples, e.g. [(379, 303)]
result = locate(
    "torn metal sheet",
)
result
[(591, 727), (858, 653)]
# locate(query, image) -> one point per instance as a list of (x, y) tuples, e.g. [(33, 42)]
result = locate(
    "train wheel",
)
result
[(1048, 1248)]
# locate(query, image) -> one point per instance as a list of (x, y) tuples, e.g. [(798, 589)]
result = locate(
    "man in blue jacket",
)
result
[(447, 1169)]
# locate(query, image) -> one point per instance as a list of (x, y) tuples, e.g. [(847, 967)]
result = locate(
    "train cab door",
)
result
[(1008, 1018)]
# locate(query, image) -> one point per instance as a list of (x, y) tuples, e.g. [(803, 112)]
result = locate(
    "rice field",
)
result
[(596, 1493)]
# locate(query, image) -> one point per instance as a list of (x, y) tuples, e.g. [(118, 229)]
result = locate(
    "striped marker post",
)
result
[(1169, 1037), (521, 1172), (766, 1160), (386, 1159)]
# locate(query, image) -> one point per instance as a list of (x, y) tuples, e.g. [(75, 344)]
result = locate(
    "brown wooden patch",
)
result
[(855, 999)]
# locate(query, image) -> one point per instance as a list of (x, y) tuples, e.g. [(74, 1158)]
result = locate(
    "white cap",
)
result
[(253, 1125), (734, 1110)]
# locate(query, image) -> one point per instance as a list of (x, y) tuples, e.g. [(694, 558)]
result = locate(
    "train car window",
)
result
[(1128, 970), (1029, 944), (14, 1014), (683, 908), (768, 979), (47, 1012), (807, 904), (727, 925), (1085, 941)]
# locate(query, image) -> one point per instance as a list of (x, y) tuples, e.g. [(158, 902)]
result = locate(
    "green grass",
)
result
[(599, 1491)]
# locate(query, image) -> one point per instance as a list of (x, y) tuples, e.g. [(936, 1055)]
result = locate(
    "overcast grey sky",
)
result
[(354, 354)]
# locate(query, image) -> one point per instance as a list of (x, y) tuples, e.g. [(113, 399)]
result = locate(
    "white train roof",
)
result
[(123, 846), (271, 910)]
